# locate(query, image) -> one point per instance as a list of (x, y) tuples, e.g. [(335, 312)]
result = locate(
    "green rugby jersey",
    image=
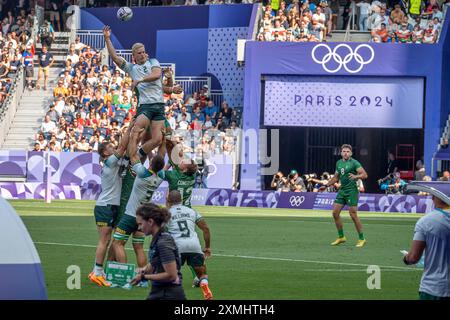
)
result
[(179, 181), (344, 168)]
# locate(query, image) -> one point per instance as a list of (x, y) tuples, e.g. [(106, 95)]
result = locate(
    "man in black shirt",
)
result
[(392, 166)]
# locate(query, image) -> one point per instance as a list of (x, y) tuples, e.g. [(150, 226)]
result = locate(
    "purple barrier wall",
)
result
[(230, 198)]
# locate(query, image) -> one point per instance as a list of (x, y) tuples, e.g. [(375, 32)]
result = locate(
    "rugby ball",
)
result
[(124, 14)]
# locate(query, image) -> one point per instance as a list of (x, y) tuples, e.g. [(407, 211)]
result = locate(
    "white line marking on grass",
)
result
[(248, 257), (357, 270)]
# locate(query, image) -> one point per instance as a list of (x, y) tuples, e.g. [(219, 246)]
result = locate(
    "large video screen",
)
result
[(339, 101)]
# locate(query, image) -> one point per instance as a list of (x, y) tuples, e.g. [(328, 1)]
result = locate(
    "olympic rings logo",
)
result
[(342, 62), (296, 201)]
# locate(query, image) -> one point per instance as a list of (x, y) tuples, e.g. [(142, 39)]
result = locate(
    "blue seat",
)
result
[(103, 132), (121, 113), (88, 131), (119, 120), (68, 118)]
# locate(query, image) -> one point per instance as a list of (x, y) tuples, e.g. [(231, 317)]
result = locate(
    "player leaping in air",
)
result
[(147, 84), (348, 171)]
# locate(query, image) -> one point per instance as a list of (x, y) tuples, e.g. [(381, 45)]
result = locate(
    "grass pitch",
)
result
[(257, 253)]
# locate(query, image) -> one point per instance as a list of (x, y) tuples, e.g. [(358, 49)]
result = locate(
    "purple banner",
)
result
[(13, 163), (32, 190), (341, 101), (80, 168), (367, 202), (232, 198)]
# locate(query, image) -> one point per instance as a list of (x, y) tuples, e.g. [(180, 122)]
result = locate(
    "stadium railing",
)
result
[(193, 84), (217, 97), (9, 108), (92, 38)]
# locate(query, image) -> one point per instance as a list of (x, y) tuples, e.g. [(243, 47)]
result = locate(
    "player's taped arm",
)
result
[(172, 89), (162, 174), (141, 170), (112, 160)]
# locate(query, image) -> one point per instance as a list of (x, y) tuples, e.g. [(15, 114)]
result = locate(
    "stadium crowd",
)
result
[(395, 25), (314, 20), (93, 103), (16, 46), (307, 21)]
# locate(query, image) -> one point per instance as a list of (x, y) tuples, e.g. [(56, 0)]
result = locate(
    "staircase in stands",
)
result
[(34, 104)]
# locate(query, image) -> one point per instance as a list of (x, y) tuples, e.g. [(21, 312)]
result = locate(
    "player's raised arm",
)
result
[(174, 151), (112, 52)]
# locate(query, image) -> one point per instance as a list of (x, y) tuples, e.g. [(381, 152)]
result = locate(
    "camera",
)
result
[(325, 176), (310, 176), (390, 176)]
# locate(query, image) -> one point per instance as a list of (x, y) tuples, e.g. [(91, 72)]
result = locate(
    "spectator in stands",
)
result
[(37, 147), (208, 123), (48, 127), (346, 14), (328, 16), (417, 33), (225, 113), (79, 45), (52, 114), (45, 63), (220, 125), (445, 176), (419, 174), (46, 34), (73, 55), (211, 110), (436, 25), (28, 62), (364, 7), (397, 15), (83, 145), (403, 34), (60, 90), (4, 70), (429, 37), (41, 141)]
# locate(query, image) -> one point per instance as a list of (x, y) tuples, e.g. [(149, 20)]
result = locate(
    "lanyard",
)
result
[(443, 212)]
